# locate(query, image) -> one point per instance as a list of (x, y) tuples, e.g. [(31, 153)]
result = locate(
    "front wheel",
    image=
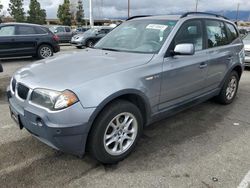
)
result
[(115, 132), (90, 43), (229, 89)]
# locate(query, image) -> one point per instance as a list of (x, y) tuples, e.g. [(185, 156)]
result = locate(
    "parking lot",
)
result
[(205, 146)]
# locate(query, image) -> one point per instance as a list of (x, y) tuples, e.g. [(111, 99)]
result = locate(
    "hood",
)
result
[(71, 70)]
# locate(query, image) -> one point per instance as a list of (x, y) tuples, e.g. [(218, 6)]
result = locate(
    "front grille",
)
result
[(22, 91), (13, 85)]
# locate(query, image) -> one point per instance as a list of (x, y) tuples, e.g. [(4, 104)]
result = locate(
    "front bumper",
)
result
[(65, 130)]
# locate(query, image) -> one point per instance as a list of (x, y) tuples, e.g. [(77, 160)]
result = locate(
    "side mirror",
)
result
[(56, 31), (184, 49)]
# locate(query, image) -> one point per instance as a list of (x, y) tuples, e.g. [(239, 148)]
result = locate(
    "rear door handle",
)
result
[(203, 65)]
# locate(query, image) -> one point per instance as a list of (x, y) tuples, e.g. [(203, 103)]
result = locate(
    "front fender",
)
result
[(118, 94)]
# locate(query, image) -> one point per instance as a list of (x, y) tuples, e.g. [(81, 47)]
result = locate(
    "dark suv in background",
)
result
[(18, 39)]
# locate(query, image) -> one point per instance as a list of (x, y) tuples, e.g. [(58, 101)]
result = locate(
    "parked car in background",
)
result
[(1, 68), (90, 37), (243, 32), (246, 41), (21, 39), (103, 97), (63, 32)]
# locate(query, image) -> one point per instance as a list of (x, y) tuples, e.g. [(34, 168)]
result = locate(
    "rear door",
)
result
[(26, 39), (219, 51), (184, 76), (7, 40)]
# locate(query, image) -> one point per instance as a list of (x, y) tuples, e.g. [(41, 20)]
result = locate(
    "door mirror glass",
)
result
[(184, 49)]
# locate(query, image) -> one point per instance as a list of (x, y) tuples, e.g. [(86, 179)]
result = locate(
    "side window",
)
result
[(26, 30), (60, 30), (216, 33), (232, 32), (67, 29), (7, 31), (190, 32)]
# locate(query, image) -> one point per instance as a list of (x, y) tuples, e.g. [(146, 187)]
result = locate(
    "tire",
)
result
[(79, 47), (44, 51), (90, 43), (229, 89), (104, 136)]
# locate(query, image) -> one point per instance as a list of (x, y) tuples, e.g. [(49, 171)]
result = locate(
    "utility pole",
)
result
[(128, 8), (237, 15), (91, 21), (196, 5)]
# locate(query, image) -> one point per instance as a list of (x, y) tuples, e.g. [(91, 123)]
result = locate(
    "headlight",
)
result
[(53, 100)]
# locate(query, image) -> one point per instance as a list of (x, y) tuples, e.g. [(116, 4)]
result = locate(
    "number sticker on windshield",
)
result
[(157, 27)]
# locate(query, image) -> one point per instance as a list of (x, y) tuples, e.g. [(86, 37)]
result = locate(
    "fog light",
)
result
[(39, 122)]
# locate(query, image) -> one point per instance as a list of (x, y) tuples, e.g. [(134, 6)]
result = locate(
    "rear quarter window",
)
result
[(232, 32), (40, 30)]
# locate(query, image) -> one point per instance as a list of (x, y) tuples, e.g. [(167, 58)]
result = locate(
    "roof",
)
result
[(15, 23), (178, 17)]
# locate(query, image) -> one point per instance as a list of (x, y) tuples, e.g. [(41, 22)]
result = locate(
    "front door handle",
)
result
[(203, 65), (229, 58)]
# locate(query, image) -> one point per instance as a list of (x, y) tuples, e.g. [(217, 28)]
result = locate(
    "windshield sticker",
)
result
[(157, 27)]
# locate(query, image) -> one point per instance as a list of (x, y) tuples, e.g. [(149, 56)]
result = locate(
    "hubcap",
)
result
[(231, 88), (120, 133), (45, 52)]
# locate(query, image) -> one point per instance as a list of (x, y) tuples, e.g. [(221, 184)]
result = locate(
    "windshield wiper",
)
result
[(110, 49)]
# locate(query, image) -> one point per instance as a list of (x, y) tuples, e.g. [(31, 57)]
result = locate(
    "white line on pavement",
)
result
[(245, 183)]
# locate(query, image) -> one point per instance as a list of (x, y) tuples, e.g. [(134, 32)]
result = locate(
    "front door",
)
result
[(184, 76), (7, 40)]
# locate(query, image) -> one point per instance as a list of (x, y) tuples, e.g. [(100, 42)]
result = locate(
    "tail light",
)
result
[(56, 38)]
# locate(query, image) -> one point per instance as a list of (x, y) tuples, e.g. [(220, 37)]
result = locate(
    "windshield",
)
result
[(139, 36), (91, 31)]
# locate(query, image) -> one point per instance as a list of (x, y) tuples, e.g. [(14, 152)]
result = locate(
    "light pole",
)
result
[(196, 5), (128, 8), (91, 21), (237, 15)]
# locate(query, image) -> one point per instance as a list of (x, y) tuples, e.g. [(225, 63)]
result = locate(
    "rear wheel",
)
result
[(79, 47), (229, 89), (115, 132), (44, 51)]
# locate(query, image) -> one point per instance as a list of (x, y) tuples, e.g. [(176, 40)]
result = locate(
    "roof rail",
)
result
[(204, 13), (139, 16)]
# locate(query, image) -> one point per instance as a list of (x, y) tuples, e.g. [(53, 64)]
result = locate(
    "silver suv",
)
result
[(145, 69)]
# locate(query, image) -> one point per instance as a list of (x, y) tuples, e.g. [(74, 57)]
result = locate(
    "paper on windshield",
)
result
[(157, 27)]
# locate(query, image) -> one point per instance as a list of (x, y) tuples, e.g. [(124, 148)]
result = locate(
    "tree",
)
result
[(80, 13), (16, 10), (64, 14), (35, 13)]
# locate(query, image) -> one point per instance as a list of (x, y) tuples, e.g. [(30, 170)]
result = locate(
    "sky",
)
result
[(118, 8)]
